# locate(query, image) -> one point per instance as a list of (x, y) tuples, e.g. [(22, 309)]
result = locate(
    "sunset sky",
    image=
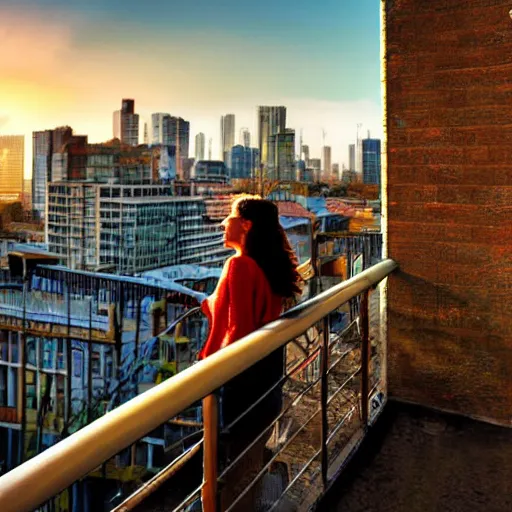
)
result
[(71, 62)]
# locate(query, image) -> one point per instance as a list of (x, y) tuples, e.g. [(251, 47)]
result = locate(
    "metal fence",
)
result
[(277, 451)]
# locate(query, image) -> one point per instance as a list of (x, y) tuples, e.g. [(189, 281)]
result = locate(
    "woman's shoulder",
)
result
[(240, 263)]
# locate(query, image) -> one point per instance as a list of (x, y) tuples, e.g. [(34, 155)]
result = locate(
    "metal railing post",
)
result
[(324, 397), (365, 357), (210, 464)]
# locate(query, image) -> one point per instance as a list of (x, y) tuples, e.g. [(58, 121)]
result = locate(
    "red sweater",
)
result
[(242, 302)]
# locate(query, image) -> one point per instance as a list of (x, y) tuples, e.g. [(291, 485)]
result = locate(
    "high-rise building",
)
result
[(271, 120), (326, 161), (172, 131), (304, 154), (281, 156), (244, 162), (44, 145), (371, 161), (12, 154), (200, 146), (352, 157), (245, 137), (227, 137), (161, 129), (126, 123), (41, 168)]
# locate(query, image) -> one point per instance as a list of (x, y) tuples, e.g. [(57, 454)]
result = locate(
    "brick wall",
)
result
[(448, 99)]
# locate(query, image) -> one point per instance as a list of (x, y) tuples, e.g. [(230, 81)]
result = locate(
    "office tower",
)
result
[(371, 161), (44, 144), (304, 154), (326, 161), (12, 155), (281, 156), (126, 123), (183, 131), (161, 129), (245, 137), (244, 162), (171, 131), (271, 120), (41, 169), (352, 157), (227, 136), (200, 146)]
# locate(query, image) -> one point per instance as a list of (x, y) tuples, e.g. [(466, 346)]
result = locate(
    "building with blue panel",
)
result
[(244, 162), (371, 161)]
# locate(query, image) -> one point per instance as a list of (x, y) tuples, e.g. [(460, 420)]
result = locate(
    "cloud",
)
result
[(3, 120)]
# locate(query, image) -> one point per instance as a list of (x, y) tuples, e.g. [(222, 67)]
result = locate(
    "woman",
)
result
[(251, 291), (255, 282)]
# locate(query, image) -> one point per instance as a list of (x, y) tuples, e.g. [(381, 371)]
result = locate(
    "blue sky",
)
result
[(75, 60)]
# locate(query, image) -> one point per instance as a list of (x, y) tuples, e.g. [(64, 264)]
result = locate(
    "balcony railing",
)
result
[(333, 386)]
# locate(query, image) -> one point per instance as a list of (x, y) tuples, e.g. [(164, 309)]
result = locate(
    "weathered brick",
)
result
[(449, 165)]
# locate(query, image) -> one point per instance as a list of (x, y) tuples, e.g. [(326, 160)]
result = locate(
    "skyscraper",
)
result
[(281, 156), (227, 136), (160, 129), (271, 120), (326, 161), (126, 123), (245, 137), (171, 131), (12, 154), (200, 146), (352, 157), (44, 145), (371, 161)]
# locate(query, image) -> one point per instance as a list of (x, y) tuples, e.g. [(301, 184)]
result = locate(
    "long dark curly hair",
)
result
[(268, 245)]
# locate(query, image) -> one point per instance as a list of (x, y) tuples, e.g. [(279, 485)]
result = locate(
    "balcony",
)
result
[(445, 331)]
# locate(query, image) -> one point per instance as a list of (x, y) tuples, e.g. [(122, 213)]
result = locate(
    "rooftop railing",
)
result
[(332, 387)]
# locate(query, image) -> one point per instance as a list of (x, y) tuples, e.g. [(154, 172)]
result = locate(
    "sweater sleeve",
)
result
[(241, 307)]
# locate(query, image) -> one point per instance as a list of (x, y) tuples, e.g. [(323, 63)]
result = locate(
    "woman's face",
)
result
[(235, 230)]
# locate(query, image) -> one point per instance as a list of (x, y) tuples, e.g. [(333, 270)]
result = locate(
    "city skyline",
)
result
[(90, 60)]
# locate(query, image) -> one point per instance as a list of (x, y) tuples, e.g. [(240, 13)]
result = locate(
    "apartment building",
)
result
[(129, 229)]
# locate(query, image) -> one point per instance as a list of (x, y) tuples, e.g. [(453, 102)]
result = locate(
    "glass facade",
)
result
[(371, 161), (12, 150)]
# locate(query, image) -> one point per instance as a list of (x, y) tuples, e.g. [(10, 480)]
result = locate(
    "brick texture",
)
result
[(448, 100)]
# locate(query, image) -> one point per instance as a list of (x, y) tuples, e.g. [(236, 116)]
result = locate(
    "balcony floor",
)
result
[(419, 460)]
